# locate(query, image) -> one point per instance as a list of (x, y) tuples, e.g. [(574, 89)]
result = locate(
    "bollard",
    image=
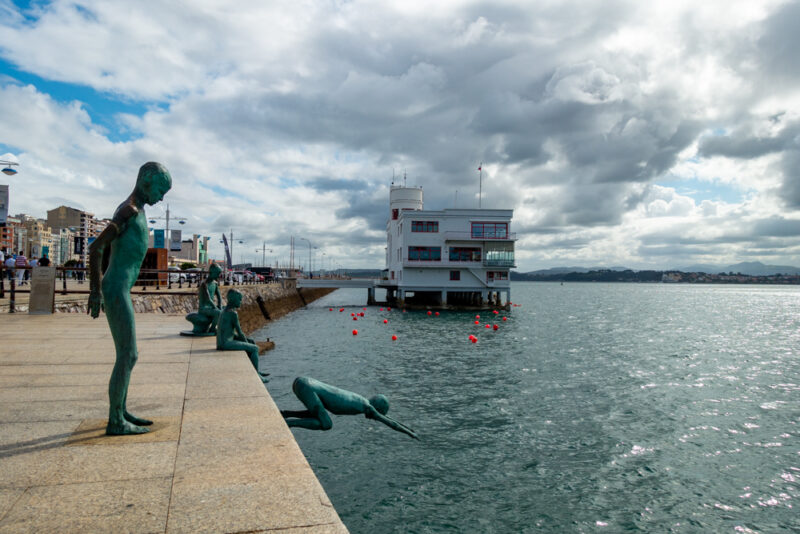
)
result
[(63, 281), (11, 300)]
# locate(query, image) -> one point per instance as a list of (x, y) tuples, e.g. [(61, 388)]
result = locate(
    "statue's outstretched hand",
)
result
[(95, 304)]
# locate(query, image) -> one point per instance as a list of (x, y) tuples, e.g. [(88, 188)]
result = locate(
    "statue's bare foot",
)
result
[(124, 429), (136, 420)]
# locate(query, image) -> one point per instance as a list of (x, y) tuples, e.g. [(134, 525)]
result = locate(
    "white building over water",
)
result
[(452, 257)]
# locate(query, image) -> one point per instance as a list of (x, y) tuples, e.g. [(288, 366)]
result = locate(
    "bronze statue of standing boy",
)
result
[(115, 259)]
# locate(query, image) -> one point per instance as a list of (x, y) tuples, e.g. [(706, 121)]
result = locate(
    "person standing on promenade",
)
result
[(115, 258), (20, 263), (10, 264), (45, 261)]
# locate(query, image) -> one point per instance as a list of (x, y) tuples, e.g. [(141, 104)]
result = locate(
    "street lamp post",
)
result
[(309, 253), (263, 251), (8, 169), (167, 238)]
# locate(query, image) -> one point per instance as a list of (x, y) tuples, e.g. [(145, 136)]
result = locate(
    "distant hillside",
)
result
[(751, 268)]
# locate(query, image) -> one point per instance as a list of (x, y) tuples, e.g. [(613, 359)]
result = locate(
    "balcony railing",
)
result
[(499, 263), (468, 236), (458, 264)]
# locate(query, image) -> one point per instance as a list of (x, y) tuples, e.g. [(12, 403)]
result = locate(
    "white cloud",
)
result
[(288, 119)]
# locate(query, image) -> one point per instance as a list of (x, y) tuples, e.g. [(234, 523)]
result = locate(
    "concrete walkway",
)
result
[(219, 457)]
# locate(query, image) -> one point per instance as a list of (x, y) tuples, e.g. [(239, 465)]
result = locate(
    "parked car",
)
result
[(193, 273), (176, 274)]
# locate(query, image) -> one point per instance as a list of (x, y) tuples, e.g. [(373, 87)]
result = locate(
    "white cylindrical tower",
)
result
[(404, 198)]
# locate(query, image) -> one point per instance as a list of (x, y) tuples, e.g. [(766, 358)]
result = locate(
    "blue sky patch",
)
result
[(102, 108), (701, 190)]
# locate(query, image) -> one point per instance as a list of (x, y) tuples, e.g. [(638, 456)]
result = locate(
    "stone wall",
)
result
[(278, 301)]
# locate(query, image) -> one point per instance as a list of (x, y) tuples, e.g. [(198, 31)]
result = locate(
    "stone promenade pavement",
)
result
[(219, 457)]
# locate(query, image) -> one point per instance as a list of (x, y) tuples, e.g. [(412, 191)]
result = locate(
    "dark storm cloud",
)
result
[(779, 44), (372, 207), (336, 184), (743, 144)]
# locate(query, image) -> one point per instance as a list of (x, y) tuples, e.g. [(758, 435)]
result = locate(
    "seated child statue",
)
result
[(206, 317), (230, 335)]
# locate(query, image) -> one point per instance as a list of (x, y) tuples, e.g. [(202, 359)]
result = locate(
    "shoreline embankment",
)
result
[(260, 303)]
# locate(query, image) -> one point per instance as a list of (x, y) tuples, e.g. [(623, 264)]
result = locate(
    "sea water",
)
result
[(592, 408)]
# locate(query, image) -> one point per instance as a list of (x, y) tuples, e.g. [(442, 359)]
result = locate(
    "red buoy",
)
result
[(429, 312), (488, 326), (385, 321), (355, 332), (352, 315), (474, 339), (330, 309), (477, 316), (437, 314), (495, 327), (477, 322), (361, 314), (381, 309), (495, 312), (505, 318), (388, 309), (355, 318), (364, 309), (341, 310), (394, 338)]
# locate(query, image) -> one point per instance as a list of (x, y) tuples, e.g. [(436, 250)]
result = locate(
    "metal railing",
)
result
[(456, 264), (151, 282), (485, 236)]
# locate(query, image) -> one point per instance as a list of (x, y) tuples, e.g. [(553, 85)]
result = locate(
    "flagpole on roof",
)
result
[(480, 184)]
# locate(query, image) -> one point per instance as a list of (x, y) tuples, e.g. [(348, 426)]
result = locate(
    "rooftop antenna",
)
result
[(404, 178), (392, 175)]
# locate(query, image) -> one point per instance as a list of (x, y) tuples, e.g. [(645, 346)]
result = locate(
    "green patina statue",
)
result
[(320, 398), (230, 335), (207, 315), (115, 258)]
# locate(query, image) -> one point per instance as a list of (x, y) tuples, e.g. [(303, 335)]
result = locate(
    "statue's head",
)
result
[(380, 403), (214, 271), (153, 181), (234, 298)]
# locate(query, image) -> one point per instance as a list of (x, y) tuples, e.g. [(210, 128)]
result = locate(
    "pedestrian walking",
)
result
[(10, 263), (20, 263)]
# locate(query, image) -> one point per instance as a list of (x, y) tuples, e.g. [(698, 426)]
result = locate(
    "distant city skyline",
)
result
[(649, 135)]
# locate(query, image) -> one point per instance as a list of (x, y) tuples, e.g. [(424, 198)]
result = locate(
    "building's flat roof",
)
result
[(458, 212)]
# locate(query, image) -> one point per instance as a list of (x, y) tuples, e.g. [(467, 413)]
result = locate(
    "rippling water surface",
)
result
[(593, 408)]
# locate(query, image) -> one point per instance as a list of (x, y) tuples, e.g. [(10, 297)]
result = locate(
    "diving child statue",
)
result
[(320, 398)]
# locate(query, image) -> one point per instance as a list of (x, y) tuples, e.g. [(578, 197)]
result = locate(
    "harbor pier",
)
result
[(218, 458)]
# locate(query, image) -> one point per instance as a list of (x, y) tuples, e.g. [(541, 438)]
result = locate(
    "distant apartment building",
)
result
[(62, 242), (81, 224), (459, 257), (15, 235), (38, 236), (194, 250)]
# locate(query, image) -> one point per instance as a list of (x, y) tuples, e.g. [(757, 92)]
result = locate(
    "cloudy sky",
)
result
[(643, 134)]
